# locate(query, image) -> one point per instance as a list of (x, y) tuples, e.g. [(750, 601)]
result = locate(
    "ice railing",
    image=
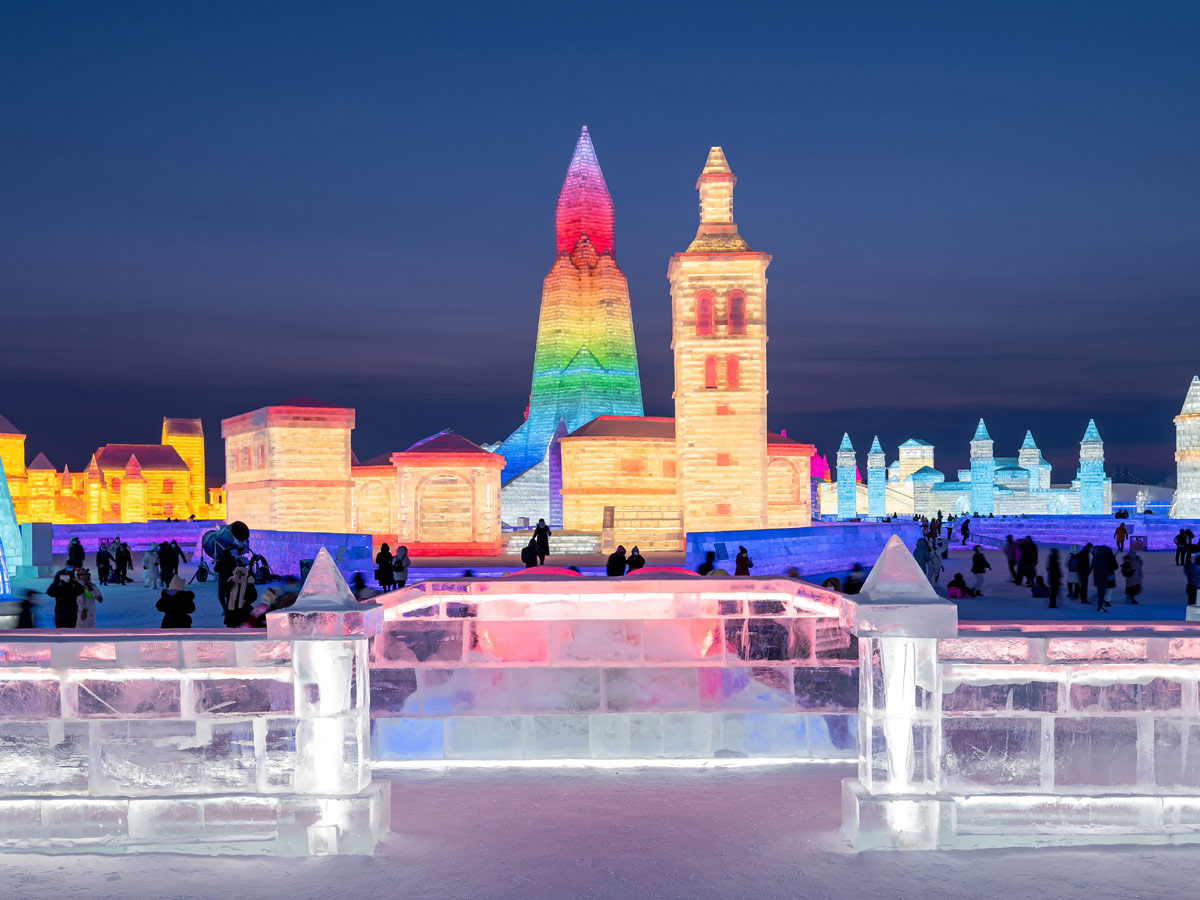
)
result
[(644, 666)]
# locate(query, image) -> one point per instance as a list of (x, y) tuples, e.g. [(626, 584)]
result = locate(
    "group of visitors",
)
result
[(535, 552), (113, 560), (75, 597), (742, 563), (391, 571), (621, 564)]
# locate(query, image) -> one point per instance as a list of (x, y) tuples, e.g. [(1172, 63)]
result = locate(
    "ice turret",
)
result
[(847, 485), (983, 472), (1094, 486), (1186, 504), (876, 481)]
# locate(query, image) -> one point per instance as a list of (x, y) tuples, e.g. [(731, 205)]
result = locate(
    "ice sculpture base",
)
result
[(977, 822), (212, 824)]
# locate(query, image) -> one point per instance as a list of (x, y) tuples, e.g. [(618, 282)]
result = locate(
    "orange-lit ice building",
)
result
[(121, 482)]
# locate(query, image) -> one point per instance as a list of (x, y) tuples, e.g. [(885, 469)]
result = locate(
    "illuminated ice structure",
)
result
[(195, 742), (1186, 504), (662, 665), (10, 535), (585, 361), (1014, 485)]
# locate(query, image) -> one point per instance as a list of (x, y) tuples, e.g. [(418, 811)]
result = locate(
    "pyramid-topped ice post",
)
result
[(1191, 403), (325, 609), (1092, 434), (898, 600), (1029, 443), (981, 432), (847, 483)]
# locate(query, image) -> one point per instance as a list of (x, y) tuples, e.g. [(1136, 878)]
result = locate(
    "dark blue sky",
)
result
[(974, 209)]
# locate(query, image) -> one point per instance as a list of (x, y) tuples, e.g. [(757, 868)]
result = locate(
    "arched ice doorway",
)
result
[(445, 509), (373, 509)]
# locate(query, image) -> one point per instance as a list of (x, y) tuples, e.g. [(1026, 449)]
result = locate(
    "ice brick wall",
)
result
[(681, 674), (153, 740), (283, 550), (1159, 531), (139, 536), (1025, 737), (817, 550)]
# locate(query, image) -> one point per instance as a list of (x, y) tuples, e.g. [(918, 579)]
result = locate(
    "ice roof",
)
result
[(981, 432), (150, 456), (627, 426), (846, 446), (444, 442), (184, 427), (7, 427)]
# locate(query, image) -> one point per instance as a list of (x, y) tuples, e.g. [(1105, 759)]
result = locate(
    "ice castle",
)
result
[(585, 362), (1009, 486)]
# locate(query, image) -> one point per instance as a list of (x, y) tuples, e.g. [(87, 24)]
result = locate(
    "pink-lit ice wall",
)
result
[(642, 667)]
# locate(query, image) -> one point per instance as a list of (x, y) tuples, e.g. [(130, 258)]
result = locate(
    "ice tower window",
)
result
[(704, 313), (115, 484), (733, 373), (737, 313), (245, 457), (168, 486), (710, 371)]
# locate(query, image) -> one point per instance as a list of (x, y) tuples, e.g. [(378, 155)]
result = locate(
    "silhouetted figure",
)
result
[(854, 581), (1104, 570), (742, 563), (383, 568), (965, 530), (400, 565), (1027, 559), (1073, 571), (177, 604), (1181, 543), (104, 563), (921, 555), (1011, 554), (541, 537), (1191, 571), (65, 591), (616, 563), (635, 561), (979, 565), (75, 553), (1053, 576), (124, 559), (1131, 568), (957, 588), (710, 563), (225, 565), (529, 554), (1084, 567), (1120, 535)]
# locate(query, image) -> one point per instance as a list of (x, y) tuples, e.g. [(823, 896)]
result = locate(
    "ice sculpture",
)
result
[(983, 472), (847, 485), (10, 535), (585, 361), (1186, 504), (876, 481), (1094, 486)]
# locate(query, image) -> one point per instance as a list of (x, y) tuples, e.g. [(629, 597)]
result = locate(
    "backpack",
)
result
[(1073, 562)]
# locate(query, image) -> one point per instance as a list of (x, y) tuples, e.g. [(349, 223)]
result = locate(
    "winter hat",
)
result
[(178, 584)]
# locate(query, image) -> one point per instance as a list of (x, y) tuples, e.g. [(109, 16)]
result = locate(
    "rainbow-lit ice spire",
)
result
[(585, 361)]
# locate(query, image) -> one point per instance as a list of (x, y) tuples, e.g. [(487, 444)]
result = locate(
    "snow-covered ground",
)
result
[(1162, 600), (602, 835)]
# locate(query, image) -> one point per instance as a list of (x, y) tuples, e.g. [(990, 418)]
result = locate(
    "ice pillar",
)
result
[(898, 619), (1092, 480), (329, 631), (847, 486), (983, 472), (1186, 504)]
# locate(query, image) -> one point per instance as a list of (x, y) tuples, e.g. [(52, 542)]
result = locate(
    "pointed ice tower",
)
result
[(1095, 497), (10, 535), (1186, 504), (847, 486), (983, 472), (585, 362), (876, 481), (1029, 457)]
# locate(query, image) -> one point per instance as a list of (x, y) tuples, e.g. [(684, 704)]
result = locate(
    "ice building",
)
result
[(1186, 504), (584, 362), (120, 483), (1014, 485), (714, 466)]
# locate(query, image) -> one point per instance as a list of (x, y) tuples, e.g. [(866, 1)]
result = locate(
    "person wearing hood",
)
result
[(104, 563), (75, 553), (1073, 571), (635, 561), (65, 591), (1131, 568), (400, 564), (87, 600), (1104, 570), (177, 604), (742, 563), (616, 563), (383, 569)]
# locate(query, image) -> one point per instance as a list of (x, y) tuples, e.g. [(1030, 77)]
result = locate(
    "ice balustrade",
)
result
[(996, 734), (658, 665), (194, 741)]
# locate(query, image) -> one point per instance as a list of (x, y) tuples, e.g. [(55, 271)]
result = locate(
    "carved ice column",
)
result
[(898, 619), (329, 631)]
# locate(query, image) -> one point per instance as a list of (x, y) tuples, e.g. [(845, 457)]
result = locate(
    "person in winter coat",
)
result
[(1119, 535), (1010, 556), (854, 581), (87, 600), (383, 569), (921, 554), (1191, 571), (529, 554), (1131, 568), (167, 562), (1053, 576), (710, 563), (1181, 543), (176, 603), (742, 563), (979, 565), (104, 563), (224, 565), (124, 559), (1027, 560), (1104, 570), (75, 553), (242, 595), (934, 567), (1073, 571), (65, 591), (957, 588), (616, 563), (635, 561), (150, 568), (400, 564), (541, 537), (1084, 565), (965, 530)]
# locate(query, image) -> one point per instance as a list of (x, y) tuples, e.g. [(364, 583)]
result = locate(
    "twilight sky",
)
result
[(974, 209)]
